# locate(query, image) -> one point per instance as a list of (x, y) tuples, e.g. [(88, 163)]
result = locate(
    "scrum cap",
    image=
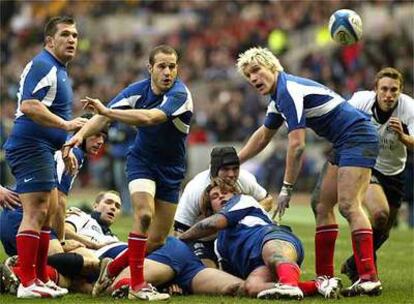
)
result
[(222, 156)]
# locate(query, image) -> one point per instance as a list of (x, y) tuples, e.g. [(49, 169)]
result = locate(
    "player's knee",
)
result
[(380, 219), (145, 219), (348, 210), (233, 289)]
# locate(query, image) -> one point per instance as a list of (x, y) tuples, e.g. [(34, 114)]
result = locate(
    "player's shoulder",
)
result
[(406, 101), (179, 88), (246, 178), (364, 95), (138, 87), (200, 181), (405, 109), (74, 213)]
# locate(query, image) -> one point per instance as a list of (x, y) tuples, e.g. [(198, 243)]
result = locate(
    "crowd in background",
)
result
[(208, 36)]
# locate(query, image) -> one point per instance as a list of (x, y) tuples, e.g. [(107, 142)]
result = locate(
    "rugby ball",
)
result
[(345, 26)]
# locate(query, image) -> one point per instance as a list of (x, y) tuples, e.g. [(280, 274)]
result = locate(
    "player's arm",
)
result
[(39, 113), (256, 143), (294, 157), (407, 139), (70, 234), (206, 227), (141, 117), (267, 203)]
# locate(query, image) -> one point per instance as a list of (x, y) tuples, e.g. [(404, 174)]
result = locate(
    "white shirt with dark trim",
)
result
[(393, 153), (189, 209)]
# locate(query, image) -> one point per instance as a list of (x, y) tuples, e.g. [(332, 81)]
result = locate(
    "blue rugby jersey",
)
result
[(65, 180), (305, 103), (163, 143), (44, 79), (240, 243)]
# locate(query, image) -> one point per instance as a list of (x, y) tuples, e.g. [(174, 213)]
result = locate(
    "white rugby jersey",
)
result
[(393, 153), (88, 227), (188, 209)]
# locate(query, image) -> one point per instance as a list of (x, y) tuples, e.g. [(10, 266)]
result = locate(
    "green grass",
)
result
[(395, 262)]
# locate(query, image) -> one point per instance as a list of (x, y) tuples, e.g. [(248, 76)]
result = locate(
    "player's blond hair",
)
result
[(261, 56)]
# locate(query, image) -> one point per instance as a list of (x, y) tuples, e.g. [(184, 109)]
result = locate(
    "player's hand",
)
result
[(95, 105), (71, 245), (396, 125), (75, 124), (71, 164), (74, 141), (283, 200), (9, 199), (174, 290)]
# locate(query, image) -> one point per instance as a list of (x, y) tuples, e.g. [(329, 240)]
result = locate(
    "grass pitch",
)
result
[(395, 263)]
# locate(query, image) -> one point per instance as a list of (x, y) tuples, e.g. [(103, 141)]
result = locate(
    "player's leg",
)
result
[(35, 208), (259, 279), (376, 205), (216, 282), (161, 224), (281, 256), (324, 198), (58, 223)]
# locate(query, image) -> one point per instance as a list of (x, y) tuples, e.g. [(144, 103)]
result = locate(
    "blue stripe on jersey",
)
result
[(163, 143), (44, 79)]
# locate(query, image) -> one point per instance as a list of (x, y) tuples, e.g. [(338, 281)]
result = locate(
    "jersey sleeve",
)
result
[(273, 118), (408, 113), (176, 103), (126, 99), (188, 209), (77, 218), (65, 180), (38, 78), (292, 107), (251, 185)]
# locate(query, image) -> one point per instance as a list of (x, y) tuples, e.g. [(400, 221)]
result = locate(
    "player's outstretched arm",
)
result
[(40, 114), (206, 227), (256, 143)]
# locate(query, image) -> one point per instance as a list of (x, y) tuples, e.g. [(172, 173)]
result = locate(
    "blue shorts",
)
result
[(167, 178), (33, 167), (284, 233), (181, 259), (10, 221), (359, 147), (114, 251), (9, 225)]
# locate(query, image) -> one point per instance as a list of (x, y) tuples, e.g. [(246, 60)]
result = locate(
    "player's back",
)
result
[(44, 79)]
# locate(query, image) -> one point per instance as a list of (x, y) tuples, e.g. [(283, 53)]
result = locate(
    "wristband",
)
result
[(286, 189)]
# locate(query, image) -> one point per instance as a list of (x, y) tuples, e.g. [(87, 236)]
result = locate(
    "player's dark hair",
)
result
[(163, 48), (102, 194), (391, 73), (206, 209), (51, 25), (222, 156)]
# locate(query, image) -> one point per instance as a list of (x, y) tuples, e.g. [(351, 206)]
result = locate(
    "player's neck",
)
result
[(50, 51)]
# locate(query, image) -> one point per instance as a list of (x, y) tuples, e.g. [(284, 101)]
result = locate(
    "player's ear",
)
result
[(49, 41), (149, 68)]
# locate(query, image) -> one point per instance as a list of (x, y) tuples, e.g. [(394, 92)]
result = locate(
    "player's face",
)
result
[(64, 43), (219, 198), (229, 173), (388, 90), (94, 143), (163, 72), (261, 78), (109, 207)]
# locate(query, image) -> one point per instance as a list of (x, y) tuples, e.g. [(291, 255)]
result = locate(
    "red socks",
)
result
[(136, 247), (288, 273), (117, 265), (41, 265), (27, 243), (362, 245), (308, 287), (122, 282), (325, 238)]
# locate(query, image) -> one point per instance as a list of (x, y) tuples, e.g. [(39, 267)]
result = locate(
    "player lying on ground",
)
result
[(175, 263), (224, 163), (251, 247)]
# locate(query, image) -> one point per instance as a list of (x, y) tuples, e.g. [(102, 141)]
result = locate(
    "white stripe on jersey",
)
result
[(323, 108), (50, 80), (246, 202), (126, 102), (19, 92), (299, 92), (60, 165), (186, 106), (181, 126), (251, 221)]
